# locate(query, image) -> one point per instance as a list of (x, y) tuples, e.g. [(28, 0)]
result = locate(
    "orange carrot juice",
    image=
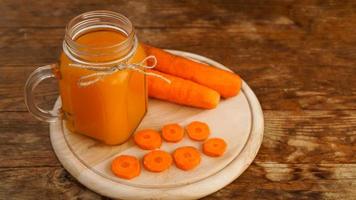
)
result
[(110, 109)]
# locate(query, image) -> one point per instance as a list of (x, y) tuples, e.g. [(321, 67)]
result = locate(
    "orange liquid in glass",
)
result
[(110, 109)]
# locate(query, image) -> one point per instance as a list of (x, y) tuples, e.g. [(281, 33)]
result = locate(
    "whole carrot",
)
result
[(181, 91), (226, 83)]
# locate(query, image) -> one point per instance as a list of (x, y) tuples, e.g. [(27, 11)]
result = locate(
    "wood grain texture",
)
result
[(283, 181), (298, 57)]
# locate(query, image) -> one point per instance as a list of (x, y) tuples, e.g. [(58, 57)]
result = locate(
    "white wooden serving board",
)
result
[(239, 120)]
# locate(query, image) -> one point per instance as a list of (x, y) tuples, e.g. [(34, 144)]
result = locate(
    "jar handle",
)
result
[(33, 80)]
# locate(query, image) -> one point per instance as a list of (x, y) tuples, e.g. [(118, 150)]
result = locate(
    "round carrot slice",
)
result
[(186, 158), (157, 161), (125, 166), (148, 139), (214, 147), (198, 131), (172, 132)]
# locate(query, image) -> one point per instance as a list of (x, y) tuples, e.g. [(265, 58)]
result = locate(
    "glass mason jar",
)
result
[(108, 106)]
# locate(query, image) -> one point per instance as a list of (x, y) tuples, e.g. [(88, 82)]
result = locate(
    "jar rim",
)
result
[(78, 20)]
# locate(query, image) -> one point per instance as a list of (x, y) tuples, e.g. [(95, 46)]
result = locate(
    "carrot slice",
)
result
[(157, 161), (227, 83), (148, 139), (125, 166), (186, 157), (198, 131), (172, 132), (214, 147), (181, 91)]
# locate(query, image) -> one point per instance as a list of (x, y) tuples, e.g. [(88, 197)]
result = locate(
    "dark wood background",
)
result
[(298, 56)]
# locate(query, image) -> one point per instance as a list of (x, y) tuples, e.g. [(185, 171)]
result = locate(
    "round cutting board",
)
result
[(239, 120)]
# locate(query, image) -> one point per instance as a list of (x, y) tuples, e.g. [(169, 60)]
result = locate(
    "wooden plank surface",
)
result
[(298, 56)]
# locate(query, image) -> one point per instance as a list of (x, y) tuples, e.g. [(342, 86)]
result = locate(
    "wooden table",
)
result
[(298, 56)]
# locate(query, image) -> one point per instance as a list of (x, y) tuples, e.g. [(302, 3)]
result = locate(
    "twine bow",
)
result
[(105, 71)]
